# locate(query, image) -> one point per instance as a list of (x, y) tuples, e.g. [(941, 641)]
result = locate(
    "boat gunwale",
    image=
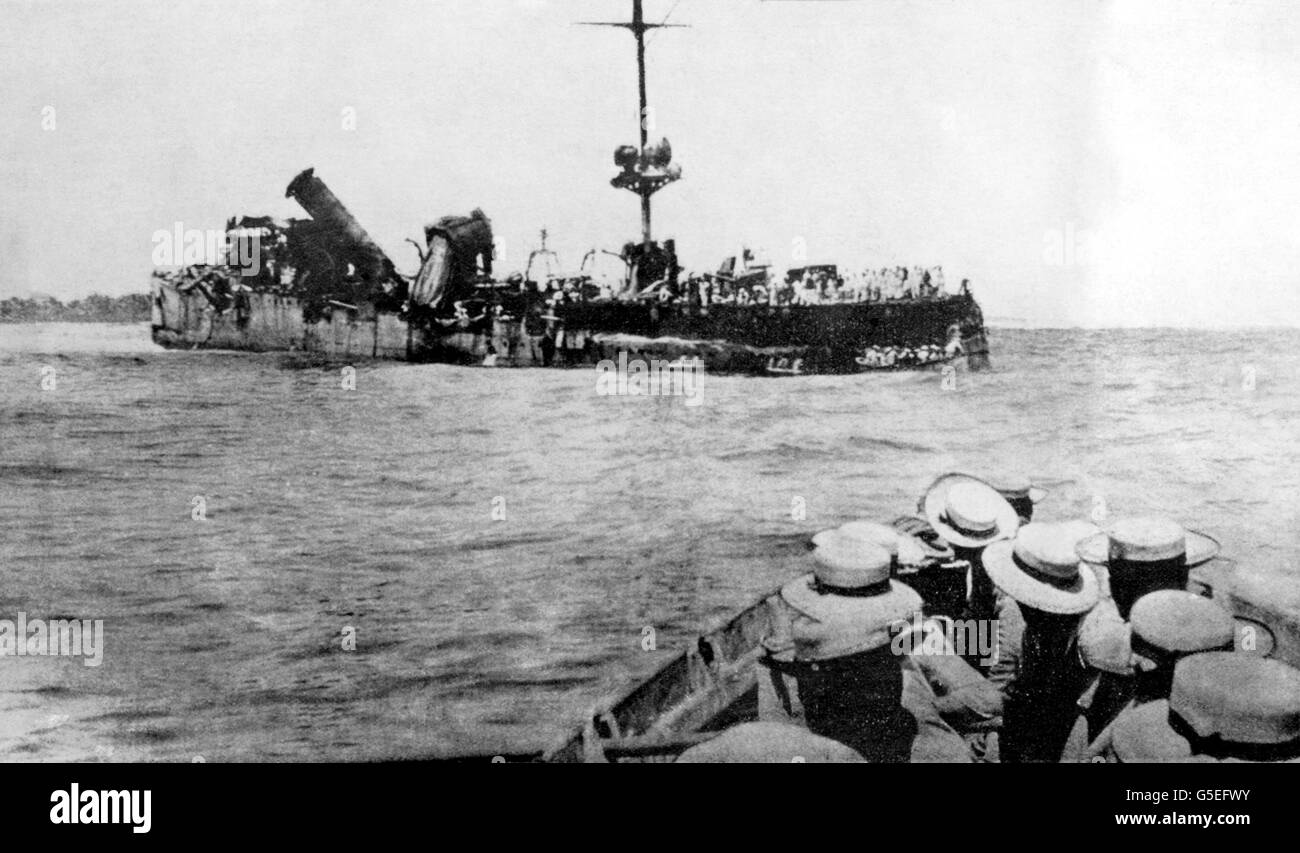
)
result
[(741, 646)]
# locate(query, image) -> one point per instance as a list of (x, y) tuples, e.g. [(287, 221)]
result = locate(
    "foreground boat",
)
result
[(716, 682)]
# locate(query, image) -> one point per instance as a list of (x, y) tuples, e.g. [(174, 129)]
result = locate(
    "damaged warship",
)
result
[(323, 285)]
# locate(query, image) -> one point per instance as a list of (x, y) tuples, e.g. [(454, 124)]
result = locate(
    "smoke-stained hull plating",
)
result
[(758, 340)]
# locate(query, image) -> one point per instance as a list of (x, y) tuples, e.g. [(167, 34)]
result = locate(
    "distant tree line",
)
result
[(95, 308)]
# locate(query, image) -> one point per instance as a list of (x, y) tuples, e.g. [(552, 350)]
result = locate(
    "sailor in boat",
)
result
[(1006, 610), (851, 685), (954, 347), (1012, 487), (1165, 626), (987, 605), (871, 357), (1009, 485), (970, 515), (1222, 707), (1141, 555), (907, 554), (986, 602), (1137, 557), (1019, 492), (1042, 572), (963, 697)]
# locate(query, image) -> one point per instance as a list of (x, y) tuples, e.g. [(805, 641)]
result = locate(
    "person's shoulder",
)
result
[(1008, 609)]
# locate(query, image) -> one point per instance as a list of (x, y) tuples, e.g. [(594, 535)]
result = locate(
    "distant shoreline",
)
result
[(95, 308), (10, 321)]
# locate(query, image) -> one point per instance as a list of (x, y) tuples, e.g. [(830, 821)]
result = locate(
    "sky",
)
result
[(1082, 163)]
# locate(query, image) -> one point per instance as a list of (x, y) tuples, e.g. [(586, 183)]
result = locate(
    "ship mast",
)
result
[(646, 168)]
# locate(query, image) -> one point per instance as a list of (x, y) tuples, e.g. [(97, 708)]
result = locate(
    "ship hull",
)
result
[(756, 340)]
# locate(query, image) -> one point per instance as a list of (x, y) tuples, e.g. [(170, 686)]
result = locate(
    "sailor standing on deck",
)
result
[(851, 685), (1042, 573)]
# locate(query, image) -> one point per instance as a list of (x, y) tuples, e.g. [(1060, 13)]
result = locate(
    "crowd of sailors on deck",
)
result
[(821, 286), (808, 286), (1112, 646)]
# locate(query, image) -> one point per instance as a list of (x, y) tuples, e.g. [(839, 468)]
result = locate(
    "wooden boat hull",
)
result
[(714, 683), (705, 688)]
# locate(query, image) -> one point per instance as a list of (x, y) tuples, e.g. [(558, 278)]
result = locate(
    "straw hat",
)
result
[(1260, 598), (1015, 486), (1148, 540), (1078, 530), (849, 600), (1040, 569), (1234, 702), (769, 743), (1173, 621), (1181, 622), (967, 511), (906, 548)]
